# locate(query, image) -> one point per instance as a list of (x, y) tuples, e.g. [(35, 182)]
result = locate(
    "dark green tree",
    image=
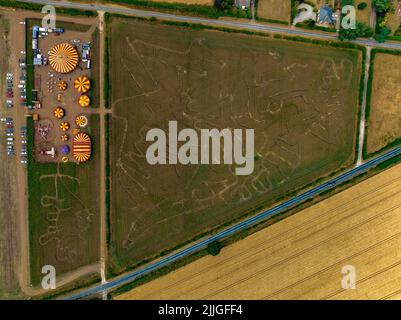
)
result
[(214, 248), (382, 34), (223, 5), (362, 6), (361, 30), (382, 6)]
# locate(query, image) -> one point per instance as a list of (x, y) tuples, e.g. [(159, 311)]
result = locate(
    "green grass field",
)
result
[(301, 99)]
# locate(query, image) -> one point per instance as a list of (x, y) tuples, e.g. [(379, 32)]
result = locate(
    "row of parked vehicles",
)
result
[(24, 145), (22, 79), (10, 93), (9, 123), (10, 135), (10, 89)]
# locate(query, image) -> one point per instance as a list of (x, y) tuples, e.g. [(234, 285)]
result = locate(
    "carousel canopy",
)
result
[(84, 101), (58, 113), (64, 126), (82, 84), (81, 121), (62, 85), (65, 149)]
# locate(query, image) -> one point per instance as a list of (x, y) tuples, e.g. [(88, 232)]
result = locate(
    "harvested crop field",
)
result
[(64, 212), (384, 124), (302, 256), (276, 10), (301, 99), (363, 15)]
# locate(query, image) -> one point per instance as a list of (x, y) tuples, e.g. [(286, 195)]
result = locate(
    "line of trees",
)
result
[(383, 8)]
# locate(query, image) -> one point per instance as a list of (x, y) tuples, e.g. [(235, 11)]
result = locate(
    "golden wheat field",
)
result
[(302, 256)]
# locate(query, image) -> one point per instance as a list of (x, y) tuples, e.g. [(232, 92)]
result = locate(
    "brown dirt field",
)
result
[(384, 125), (393, 22), (288, 92), (318, 3), (363, 15), (274, 10), (302, 256), (8, 212)]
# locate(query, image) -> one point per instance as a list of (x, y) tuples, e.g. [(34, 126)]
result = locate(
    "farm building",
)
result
[(326, 16)]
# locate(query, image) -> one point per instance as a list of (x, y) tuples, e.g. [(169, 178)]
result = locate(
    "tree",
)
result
[(382, 6), (214, 248), (364, 30), (223, 5), (361, 30), (362, 6), (382, 34)]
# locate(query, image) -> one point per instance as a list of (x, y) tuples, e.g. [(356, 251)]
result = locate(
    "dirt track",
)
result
[(302, 256), (8, 218)]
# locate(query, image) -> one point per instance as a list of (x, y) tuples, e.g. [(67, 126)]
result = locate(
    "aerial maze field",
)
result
[(301, 99)]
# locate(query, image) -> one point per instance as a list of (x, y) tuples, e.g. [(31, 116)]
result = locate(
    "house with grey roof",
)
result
[(326, 16)]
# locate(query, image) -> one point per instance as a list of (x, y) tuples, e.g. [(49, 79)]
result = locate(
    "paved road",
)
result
[(254, 26), (265, 214)]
